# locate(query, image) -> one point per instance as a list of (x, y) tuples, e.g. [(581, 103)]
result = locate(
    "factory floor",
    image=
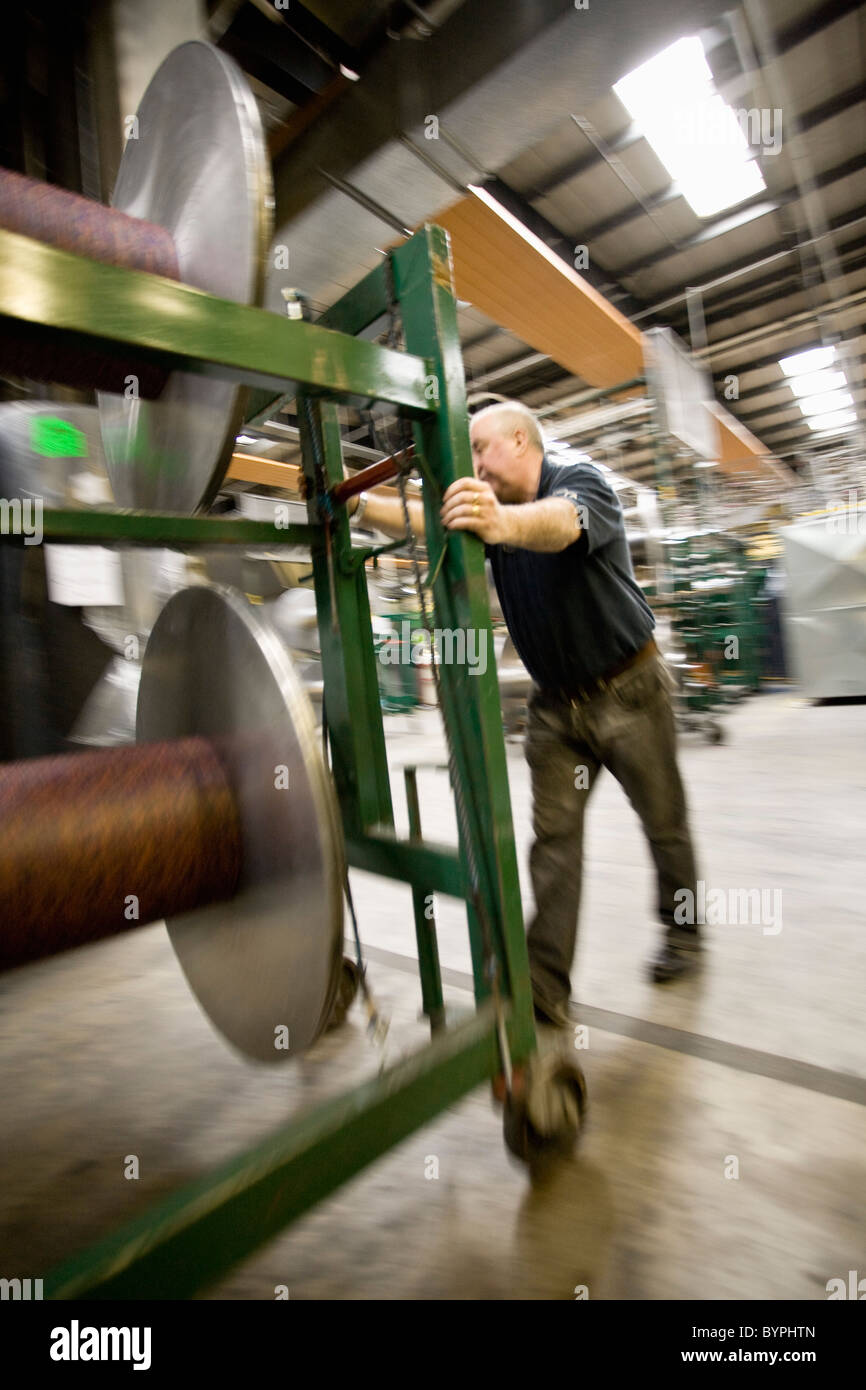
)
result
[(723, 1157)]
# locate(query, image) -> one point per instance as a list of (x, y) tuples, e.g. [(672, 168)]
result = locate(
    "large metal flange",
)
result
[(197, 164), (265, 966)]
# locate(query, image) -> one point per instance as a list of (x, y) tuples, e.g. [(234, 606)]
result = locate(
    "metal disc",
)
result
[(198, 167), (270, 958)]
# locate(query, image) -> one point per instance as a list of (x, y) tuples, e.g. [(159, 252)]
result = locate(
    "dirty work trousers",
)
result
[(628, 728)]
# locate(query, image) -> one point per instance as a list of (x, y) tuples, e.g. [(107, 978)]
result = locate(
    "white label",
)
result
[(83, 576)]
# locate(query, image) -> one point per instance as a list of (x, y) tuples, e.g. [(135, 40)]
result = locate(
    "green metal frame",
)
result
[(192, 1238)]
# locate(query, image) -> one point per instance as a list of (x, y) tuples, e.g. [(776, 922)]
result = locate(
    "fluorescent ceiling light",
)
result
[(817, 383), (260, 443), (820, 405), (693, 131), (829, 424), (556, 446), (812, 360)]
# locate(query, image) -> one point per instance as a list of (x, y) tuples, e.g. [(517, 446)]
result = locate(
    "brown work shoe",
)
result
[(673, 962)]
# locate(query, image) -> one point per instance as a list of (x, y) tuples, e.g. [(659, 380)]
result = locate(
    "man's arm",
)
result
[(469, 505), (549, 525), (386, 514)]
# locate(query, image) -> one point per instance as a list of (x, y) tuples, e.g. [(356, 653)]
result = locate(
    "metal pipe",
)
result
[(725, 279), (849, 301), (766, 56), (587, 397), (370, 204), (507, 369), (597, 419), (373, 476), (624, 175)]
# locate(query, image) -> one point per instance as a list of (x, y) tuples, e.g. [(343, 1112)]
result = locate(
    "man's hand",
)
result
[(470, 505)]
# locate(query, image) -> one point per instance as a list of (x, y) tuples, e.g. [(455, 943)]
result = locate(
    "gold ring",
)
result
[(475, 507)]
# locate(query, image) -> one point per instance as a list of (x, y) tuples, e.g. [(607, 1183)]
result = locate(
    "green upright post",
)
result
[(470, 697), (352, 707), (425, 920)]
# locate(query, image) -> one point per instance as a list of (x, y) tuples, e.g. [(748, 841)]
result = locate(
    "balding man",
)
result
[(555, 537)]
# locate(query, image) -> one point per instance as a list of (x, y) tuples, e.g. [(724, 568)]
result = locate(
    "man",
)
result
[(555, 537)]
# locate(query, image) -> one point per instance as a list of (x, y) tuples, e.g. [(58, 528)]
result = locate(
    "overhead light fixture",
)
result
[(560, 447), (830, 401), (348, 72), (817, 383), (696, 135), (812, 360), (260, 443), (833, 422)]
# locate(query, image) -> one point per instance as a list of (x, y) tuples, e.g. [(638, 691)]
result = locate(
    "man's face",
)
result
[(498, 459)]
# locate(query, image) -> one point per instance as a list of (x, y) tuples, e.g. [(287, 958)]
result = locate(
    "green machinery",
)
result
[(199, 1232), (719, 615)]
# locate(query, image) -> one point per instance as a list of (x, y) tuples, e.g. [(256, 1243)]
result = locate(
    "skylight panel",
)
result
[(812, 360), (831, 400), (817, 383), (829, 424), (695, 134)]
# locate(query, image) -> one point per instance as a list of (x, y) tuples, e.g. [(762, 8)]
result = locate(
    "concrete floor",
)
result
[(761, 1060)]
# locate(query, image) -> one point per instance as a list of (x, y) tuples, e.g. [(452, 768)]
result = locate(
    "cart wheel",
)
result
[(714, 731), (347, 990), (543, 1119)]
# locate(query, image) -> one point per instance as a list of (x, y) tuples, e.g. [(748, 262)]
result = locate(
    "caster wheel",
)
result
[(347, 992), (544, 1118), (713, 731)]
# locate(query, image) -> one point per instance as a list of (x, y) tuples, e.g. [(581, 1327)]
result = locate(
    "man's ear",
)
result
[(521, 439)]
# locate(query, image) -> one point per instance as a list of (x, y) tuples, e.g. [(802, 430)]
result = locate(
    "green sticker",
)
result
[(54, 438)]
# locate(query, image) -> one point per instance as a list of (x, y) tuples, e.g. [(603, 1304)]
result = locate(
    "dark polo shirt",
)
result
[(578, 613)]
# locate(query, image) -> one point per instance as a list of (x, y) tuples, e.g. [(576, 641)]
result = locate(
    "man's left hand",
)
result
[(470, 505)]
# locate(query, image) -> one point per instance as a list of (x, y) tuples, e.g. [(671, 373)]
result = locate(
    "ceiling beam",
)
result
[(402, 83), (814, 22), (782, 384), (852, 255), (772, 359), (779, 250)]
